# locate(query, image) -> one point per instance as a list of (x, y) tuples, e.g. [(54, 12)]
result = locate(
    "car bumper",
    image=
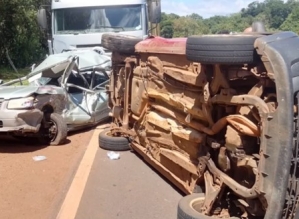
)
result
[(20, 120)]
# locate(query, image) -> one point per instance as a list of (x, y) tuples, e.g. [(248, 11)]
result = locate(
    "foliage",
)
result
[(167, 26), (186, 26), (9, 74), (276, 15), (20, 35), (291, 23)]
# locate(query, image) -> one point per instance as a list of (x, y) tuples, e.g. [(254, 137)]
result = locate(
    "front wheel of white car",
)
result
[(54, 130)]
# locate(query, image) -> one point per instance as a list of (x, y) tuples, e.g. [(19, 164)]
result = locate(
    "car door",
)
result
[(87, 98), (98, 85), (80, 101)]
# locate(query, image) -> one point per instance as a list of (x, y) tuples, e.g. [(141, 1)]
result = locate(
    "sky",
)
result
[(205, 8)]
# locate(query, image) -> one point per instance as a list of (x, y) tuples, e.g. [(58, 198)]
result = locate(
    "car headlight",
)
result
[(21, 103)]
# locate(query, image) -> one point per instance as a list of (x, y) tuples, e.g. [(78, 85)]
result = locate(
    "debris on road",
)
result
[(39, 158), (113, 156)]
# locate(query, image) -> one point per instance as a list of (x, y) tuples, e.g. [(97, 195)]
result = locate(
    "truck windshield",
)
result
[(98, 19)]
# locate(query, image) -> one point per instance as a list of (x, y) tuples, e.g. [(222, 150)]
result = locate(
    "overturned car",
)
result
[(66, 92), (215, 114)]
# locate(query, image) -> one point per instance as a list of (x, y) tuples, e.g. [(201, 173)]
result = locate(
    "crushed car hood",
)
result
[(11, 92), (54, 65)]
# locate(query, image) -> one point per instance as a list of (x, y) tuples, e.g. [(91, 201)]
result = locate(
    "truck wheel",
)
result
[(113, 143), (120, 43), (189, 206), (55, 132), (222, 49)]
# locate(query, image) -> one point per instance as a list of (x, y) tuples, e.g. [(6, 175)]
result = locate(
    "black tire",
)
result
[(187, 207), (57, 138), (113, 143), (222, 49), (120, 43)]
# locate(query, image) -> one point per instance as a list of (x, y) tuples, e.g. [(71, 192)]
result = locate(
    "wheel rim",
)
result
[(197, 204), (108, 133), (53, 130), (50, 131)]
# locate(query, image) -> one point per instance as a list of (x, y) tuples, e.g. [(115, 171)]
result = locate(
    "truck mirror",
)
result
[(155, 11), (258, 26), (42, 18)]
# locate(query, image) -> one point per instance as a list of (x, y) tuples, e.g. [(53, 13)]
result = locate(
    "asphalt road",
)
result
[(31, 189), (126, 189)]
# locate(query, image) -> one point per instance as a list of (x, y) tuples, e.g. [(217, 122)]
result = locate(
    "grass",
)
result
[(8, 74)]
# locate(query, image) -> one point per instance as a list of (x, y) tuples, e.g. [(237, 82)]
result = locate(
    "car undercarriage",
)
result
[(227, 129)]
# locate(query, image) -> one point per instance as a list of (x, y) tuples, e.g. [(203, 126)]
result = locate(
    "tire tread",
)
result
[(222, 49), (113, 143)]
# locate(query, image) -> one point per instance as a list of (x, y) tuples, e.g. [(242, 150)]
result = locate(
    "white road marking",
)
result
[(73, 197)]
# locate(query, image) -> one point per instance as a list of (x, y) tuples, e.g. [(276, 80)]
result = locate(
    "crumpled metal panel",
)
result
[(56, 63)]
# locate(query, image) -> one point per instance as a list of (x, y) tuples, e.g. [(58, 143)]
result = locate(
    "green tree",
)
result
[(216, 23), (291, 23), (167, 29), (276, 12), (20, 35), (167, 25), (173, 16), (195, 16), (253, 9), (186, 26)]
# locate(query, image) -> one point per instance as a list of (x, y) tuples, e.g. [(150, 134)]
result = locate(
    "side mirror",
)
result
[(258, 26), (42, 18), (155, 11)]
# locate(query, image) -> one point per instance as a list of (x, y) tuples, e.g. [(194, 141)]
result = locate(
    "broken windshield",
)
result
[(98, 19)]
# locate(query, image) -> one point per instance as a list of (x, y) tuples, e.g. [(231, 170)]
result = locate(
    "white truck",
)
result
[(79, 24)]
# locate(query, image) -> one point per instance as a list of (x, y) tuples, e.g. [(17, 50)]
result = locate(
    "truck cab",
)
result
[(78, 24)]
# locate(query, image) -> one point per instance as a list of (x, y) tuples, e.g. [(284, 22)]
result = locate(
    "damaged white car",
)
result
[(66, 92)]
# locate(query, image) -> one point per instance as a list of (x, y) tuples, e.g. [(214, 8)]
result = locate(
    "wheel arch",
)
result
[(48, 109), (279, 54)]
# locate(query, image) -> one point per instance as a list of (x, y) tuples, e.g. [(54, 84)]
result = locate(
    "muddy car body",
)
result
[(216, 115), (70, 85)]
